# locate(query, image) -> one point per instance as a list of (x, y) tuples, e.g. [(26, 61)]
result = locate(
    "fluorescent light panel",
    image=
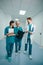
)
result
[(22, 12)]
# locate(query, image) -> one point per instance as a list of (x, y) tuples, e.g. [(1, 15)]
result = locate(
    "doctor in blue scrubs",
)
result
[(30, 30), (18, 41), (9, 33)]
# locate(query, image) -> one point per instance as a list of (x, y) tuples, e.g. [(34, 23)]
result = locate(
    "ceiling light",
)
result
[(22, 12), (16, 19)]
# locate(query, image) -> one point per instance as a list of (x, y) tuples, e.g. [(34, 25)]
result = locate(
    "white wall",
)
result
[(4, 21), (38, 21)]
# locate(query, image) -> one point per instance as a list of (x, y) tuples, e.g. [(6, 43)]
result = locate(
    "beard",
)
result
[(12, 26)]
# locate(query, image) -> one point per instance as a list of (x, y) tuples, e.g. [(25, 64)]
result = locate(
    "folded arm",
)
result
[(10, 34)]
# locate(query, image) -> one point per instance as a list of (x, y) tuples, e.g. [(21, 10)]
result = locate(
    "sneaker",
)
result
[(30, 57), (25, 52), (16, 53), (19, 51)]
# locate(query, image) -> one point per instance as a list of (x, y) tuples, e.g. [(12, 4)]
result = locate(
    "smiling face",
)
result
[(17, 23), (12, 24), (29, 20)]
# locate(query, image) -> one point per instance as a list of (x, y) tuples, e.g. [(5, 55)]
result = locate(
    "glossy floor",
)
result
[(21, 58)]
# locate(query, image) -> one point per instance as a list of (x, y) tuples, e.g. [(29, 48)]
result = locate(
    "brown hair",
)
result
[(11, 22), (29, 18)]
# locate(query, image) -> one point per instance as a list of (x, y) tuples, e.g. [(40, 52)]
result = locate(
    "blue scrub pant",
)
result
[(17, 44), (9, 49), (30, 46)]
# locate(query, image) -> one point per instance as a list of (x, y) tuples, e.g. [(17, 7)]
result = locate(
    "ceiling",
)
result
[(12, 7)]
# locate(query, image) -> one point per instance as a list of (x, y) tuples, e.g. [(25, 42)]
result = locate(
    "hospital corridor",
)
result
[(21, 32)]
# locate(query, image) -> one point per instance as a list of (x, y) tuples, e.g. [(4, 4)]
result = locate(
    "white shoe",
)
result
[(16, 53), (25, 52), (30, 57), (19, 51)]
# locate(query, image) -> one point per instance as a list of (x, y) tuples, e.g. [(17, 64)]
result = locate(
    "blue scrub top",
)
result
[(9, 39), (30, 28)]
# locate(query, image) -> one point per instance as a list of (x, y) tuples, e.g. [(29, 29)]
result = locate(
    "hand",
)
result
[(26, 31), (11, 34), (31, 33)]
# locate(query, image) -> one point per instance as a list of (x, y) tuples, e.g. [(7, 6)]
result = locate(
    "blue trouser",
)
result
[(9, 49), (30, 46), (17, 44)]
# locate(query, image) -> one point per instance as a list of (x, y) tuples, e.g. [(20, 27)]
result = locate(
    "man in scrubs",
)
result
[(9, 33), (18, 41), (30, 30)]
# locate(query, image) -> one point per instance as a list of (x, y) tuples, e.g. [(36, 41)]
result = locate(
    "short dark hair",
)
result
[(11, 22), (29, 18)]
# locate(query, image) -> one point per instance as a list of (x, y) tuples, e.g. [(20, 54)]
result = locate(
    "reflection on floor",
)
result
[(22, 59)]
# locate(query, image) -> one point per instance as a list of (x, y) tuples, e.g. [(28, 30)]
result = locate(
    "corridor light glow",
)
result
[(16, 19), (22, 12)]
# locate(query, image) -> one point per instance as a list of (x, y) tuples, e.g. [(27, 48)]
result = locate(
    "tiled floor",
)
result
[(22, 59)]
